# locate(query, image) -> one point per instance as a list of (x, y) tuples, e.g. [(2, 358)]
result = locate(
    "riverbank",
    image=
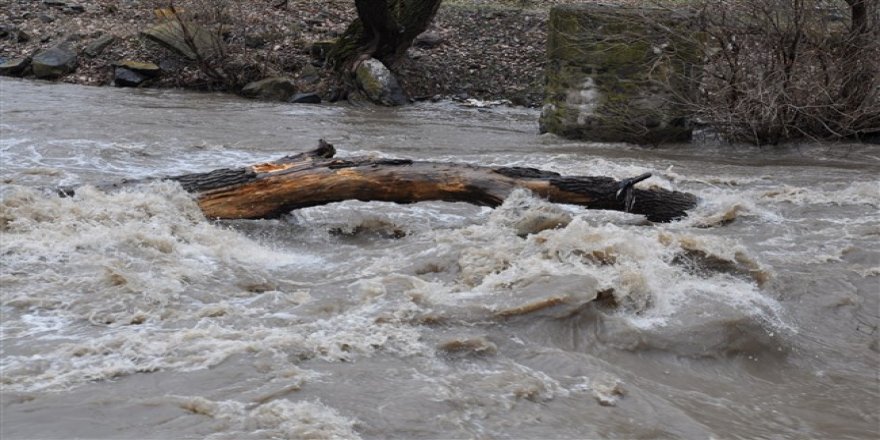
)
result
[(489, 50)]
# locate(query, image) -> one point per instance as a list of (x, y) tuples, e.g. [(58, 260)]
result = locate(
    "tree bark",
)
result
[(383, 30), (275, 188)]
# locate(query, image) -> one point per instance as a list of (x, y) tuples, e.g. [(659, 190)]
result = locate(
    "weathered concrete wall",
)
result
[(610, 70)]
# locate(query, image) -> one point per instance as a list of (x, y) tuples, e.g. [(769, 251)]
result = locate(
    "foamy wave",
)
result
[(281, 419), (141, 350), (106, 257), (656, 276), (857, 193)]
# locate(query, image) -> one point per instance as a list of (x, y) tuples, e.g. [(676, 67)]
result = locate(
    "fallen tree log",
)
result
[(272, 189)]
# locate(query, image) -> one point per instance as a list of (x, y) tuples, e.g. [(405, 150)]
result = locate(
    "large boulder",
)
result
[(171, 35), (379, 84), (615, 74), (271, 89), (15, 66), (54, 62)]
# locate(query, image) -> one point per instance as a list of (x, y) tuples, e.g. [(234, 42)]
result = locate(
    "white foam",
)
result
[(275, 419)]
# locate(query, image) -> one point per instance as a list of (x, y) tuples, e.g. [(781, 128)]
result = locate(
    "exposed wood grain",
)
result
[(314, 178)]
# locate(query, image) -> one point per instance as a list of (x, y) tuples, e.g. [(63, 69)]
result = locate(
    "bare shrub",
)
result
[(777, 70), (227, 41)]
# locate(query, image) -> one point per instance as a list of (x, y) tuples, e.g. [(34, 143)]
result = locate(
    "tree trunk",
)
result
[(275, 188), (383, 30)]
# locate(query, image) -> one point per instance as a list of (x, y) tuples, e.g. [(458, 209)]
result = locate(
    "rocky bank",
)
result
[(489, 50)]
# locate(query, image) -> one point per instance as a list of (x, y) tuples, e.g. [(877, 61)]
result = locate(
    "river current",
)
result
[(129, 315)]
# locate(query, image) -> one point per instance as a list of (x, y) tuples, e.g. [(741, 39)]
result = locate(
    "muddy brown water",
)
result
[(129, 315)]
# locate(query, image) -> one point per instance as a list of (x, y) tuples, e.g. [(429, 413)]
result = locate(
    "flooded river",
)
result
[(129, 315)]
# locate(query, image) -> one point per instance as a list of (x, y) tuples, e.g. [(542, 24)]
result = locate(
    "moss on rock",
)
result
[(613, 74)]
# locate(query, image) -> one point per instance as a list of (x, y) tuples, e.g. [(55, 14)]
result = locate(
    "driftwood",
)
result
[(314, 178)]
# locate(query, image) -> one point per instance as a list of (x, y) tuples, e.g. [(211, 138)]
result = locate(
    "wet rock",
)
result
[(306, 98), (54, 62), (148, 70), (99, 45), (428, 40), (129, 73), (75, 9), (271, 89), (46, 18), (171, 36), (15, 67), (54, 3), (379, 84), (123, 77)]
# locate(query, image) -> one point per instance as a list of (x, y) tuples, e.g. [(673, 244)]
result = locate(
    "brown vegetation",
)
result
[(778, 70)]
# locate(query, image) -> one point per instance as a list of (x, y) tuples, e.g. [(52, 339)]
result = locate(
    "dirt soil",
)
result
[(488, 50)]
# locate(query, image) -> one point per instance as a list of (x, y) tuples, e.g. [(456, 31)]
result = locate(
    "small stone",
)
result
[(123, 77), (271, 89), (75, 9), (428, 40), (306, 98), (96, 47), (54, 3), (15, 67), (46, 18)]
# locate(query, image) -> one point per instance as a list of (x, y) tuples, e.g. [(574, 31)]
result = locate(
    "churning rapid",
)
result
[(129, 315)]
